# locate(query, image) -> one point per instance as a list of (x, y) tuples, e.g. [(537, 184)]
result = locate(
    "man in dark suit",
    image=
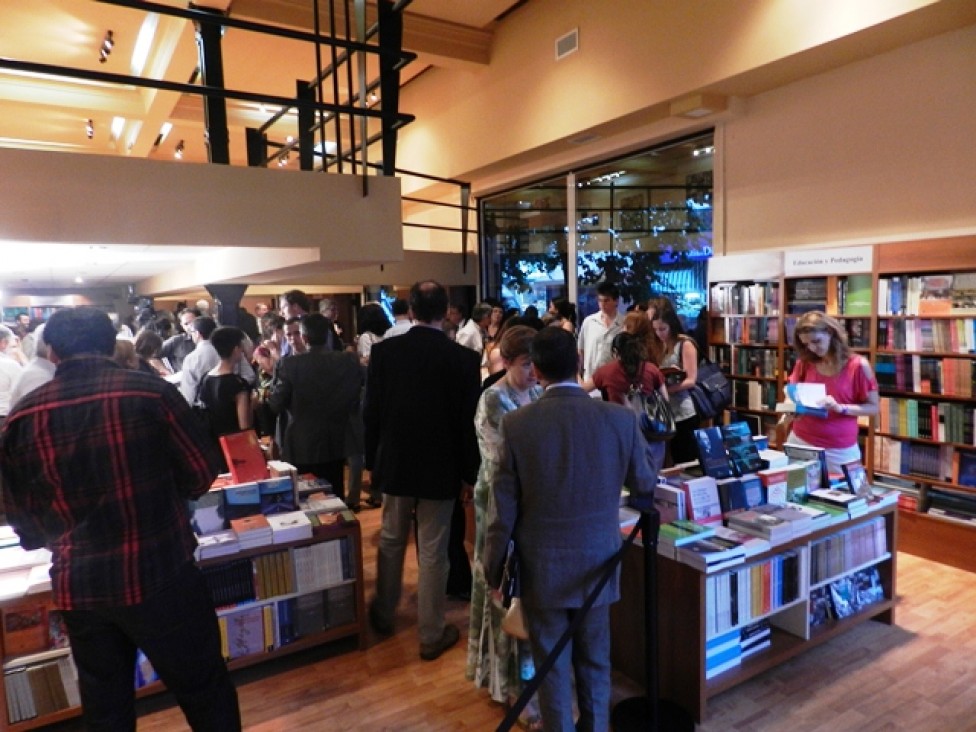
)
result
[(557, 491), (421, 393), (320, 390)]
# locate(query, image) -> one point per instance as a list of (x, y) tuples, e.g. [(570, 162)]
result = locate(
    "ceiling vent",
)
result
[(567, 44)]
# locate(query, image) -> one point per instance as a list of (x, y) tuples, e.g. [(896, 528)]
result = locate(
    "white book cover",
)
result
[(290, 526), (703, 501)]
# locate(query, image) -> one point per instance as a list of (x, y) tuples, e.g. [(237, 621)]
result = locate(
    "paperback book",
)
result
[(712, 456), (800, 453)]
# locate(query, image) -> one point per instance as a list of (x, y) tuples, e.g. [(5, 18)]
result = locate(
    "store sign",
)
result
[(839, 261)]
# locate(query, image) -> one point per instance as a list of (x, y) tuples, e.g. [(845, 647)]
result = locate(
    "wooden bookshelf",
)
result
[(925, 356), (683, 597), (348, 531)]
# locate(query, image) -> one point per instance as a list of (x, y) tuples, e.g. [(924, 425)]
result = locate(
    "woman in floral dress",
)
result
[(493, 655)]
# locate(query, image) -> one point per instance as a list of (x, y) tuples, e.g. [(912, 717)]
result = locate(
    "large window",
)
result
[(644, 222)]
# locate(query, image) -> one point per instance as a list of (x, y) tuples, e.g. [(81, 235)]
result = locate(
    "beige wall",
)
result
[(880, 149), (635, 56)]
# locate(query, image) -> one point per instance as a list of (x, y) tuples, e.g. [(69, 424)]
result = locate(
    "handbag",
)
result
[(511, 587), (514, 621), (653, 412), (712, 392)]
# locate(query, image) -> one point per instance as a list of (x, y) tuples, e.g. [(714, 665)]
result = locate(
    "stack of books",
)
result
[(217, 544), (291, 526), (252, 531), (773, 529), (752, 545), (722, 652), (755, 637), (678, 533), (854, 505), (711, 554)]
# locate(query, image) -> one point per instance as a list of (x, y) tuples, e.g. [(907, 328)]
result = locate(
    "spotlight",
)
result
[(178, 153), (374, 97), (108, 43), (90, 129)]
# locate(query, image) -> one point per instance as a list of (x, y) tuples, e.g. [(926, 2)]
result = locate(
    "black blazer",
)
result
[(320, 390), (421, 393)]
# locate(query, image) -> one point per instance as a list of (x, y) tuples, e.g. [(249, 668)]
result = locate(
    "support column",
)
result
[(227, 300), (212, 73)]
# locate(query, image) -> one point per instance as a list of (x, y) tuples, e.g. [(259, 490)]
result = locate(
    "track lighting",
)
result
[(90, 129), (108, 43), (178, 153)]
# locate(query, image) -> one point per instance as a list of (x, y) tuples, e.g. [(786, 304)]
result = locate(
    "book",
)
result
[(775, 484), (252, 530), (854, 505), (669, 502), (711, 554), (278, 495), (772, 528), (857, 299), (755, 637), (701, 499), (856, 477), (241, 499), (679, 533), (712, 457), (290, 526), (207, 513), (736, 494), (801, 521), (804, 399), (25, 627), (797, 452), (217, 544), (244, 456)]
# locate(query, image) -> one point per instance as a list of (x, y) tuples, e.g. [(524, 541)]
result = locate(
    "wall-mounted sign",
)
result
[(839, 261)]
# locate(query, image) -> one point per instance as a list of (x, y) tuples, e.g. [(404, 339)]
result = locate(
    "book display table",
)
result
[(786, 586)]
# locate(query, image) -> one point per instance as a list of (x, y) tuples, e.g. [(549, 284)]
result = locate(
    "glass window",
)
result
[(644, 222)]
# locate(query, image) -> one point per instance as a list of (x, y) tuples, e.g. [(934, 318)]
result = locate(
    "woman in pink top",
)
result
[(852, 391)]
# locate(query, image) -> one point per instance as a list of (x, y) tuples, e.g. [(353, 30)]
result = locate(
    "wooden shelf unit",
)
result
[(336, 532), (933, 537), (952, 255), (682, 628)]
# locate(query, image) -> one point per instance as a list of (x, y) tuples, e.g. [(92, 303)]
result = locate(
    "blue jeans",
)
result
[(177, 630)]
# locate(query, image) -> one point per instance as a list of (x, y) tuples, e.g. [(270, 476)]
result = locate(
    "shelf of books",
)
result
[(282, 560), (924, 442), (745, 333), (761, 555)]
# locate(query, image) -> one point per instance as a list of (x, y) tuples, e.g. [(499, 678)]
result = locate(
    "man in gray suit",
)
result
[(564, 461)]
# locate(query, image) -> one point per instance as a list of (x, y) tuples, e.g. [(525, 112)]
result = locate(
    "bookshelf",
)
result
[(686, 622), (274, 600), (925, 358), (745, 332)]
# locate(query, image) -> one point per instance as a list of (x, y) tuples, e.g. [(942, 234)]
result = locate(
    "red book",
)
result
[(244, 456)]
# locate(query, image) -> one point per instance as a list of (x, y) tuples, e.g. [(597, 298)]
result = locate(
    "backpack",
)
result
[(653, 412), (712, 392)]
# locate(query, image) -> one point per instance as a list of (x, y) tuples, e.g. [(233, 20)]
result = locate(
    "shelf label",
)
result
[(842, 260)]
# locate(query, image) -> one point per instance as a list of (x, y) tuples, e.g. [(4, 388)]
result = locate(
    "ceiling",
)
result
[(45, 113)]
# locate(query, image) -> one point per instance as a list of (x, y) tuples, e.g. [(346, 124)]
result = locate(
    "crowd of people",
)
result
[(497, 409)]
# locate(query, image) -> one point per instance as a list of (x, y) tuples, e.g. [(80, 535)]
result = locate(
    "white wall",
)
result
[(879, 149)]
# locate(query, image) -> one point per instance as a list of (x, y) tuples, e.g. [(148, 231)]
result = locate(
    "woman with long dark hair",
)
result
[(678, 353)]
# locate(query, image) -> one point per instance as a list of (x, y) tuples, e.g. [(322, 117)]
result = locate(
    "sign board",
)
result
[(839, 261)]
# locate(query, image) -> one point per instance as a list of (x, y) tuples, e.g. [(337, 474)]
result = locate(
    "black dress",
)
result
[(219, 395)]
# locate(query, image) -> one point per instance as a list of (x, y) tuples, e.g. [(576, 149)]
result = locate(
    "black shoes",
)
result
[(381, 627), (433, 651)]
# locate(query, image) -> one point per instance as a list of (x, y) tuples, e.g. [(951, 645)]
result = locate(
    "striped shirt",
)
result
[(98, 465)]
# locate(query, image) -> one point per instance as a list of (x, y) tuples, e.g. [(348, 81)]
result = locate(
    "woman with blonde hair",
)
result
[(824, 357)]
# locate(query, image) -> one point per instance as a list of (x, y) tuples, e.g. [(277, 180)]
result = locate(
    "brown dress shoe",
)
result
[(431, 651)]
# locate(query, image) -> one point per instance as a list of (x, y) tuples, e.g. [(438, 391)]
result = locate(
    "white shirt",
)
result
[(594, 341), (38, 372), (470, 337), (398, 328), (10, 372)]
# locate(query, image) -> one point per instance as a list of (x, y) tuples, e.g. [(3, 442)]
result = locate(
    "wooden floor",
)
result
[(917, 675)]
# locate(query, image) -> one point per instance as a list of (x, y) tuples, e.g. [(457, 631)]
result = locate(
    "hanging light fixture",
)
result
[(178, 153), (90, 129)]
